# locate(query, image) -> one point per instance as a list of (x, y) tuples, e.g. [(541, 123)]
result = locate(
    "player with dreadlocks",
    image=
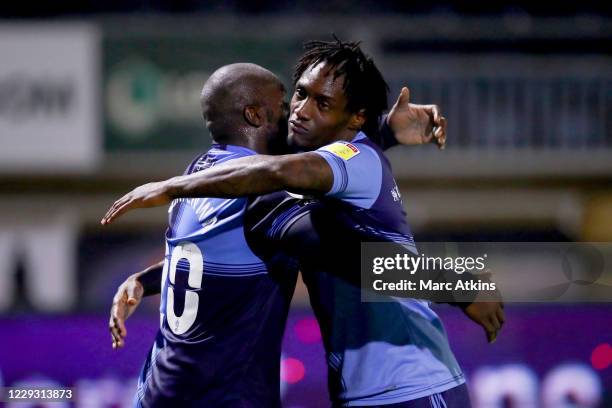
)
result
[(363, 85), (392, 353)]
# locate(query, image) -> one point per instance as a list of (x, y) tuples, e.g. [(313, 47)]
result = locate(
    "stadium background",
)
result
[(96, 98)]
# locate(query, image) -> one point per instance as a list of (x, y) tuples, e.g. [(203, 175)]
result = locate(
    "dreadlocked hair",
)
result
[(364, 85)]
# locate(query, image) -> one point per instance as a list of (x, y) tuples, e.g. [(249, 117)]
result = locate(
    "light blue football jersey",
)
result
[(377, 353)]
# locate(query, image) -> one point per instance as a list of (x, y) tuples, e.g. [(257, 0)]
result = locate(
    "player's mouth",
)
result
[(296, 127)]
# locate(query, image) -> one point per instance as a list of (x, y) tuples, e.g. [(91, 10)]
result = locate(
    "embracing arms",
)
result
[(253, 175), (406, 123)]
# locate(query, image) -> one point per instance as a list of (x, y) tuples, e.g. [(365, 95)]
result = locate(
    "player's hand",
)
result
[(145, 196), (416, 124), (489, 315), (126, 300)]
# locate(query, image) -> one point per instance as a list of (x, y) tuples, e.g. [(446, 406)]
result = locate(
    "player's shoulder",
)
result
[(215, 155), (359, 149), (193, 164)]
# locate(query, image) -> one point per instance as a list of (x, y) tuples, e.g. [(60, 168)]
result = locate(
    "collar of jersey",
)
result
[(234, 149), (359, 136)]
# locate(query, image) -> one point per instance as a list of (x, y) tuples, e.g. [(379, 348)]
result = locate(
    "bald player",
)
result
[(223, 309)]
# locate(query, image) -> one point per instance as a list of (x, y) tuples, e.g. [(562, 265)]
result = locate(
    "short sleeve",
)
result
[(357, 171)]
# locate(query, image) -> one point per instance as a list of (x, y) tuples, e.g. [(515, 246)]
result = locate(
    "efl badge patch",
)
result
[(344, 150)]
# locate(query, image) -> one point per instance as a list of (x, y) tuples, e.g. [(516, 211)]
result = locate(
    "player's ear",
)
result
[(357, 120), (254, 115)]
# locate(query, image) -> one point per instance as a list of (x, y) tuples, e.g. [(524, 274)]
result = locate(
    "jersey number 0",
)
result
[(190, 252)]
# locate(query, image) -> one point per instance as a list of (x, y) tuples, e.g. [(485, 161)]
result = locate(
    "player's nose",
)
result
[(301, 110)]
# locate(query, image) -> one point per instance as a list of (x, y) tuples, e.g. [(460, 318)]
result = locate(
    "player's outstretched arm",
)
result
[(127, 298), (252, 175), (409, 124)]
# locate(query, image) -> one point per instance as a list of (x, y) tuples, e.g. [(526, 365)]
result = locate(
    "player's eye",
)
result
[(300, 93), (323, 105)]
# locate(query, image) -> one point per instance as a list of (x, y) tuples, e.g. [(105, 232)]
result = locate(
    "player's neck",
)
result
[(346, 135), (257, 143)]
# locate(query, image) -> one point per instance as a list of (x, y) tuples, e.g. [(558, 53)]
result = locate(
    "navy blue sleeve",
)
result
[(384, 138)]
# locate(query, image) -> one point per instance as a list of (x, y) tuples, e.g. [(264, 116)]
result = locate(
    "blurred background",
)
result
[(98, 97)]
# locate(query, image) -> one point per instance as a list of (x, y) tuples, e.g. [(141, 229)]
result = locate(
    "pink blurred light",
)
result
[(601, 358), (307, 330), (292, 370)]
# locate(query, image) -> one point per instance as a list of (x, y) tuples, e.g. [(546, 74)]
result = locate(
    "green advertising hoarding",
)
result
[(152, 84)]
